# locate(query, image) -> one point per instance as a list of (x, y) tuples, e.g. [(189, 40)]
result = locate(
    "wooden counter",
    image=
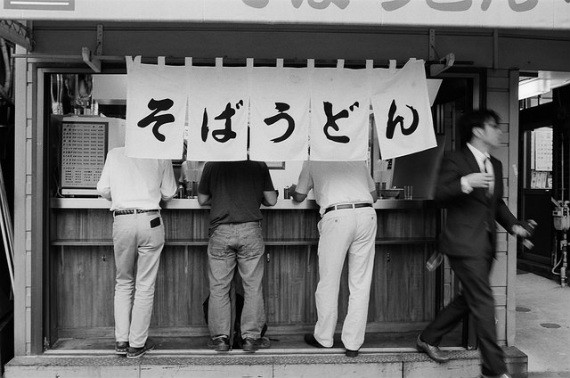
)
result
[(82, 268)]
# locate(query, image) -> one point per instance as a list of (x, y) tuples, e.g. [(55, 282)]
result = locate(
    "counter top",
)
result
[(192, 204)]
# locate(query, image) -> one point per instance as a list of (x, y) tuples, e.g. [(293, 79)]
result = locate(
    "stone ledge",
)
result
[(368, 364)]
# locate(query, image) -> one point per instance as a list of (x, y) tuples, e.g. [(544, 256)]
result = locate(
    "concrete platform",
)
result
[(264, 363), (543, 325)]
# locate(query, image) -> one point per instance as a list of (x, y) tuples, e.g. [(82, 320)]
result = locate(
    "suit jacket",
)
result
[(470, 217)]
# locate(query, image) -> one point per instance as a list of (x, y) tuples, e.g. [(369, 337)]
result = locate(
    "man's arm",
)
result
[(204, 199), (269, 197), (374, 196), (297, 197), (104, 183), (168, 184), (204, 186), (305, 183)]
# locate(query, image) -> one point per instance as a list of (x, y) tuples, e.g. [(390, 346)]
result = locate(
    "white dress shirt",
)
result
[(131, 183), (336, 182), (484, 162)]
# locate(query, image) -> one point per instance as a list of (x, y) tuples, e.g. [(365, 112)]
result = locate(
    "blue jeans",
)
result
[(234, 244)]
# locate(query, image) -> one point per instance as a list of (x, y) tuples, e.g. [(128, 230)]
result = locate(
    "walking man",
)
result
[(135, 188), (345, 193), (470, 187), (235, 190)]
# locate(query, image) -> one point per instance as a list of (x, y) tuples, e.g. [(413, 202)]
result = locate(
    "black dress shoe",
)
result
[(310, 339), (134, 352), (220, 343), (351, 353), (121, 347), (433, 352), (249, 345), (504, 375)]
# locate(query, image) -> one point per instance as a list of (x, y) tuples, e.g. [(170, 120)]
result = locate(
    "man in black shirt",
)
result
[(236, 191)]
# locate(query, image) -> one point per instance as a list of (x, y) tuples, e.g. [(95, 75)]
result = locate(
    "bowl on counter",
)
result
[(390, 193)]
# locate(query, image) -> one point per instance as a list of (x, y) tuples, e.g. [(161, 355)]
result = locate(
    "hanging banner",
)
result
[(282, 109), (279, 120), (340, 108), (156, 110), (402, 113), (218, 101)]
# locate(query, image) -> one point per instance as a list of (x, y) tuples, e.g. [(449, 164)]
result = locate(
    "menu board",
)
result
[(83, 151)]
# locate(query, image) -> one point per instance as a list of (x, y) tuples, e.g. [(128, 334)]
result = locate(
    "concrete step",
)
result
[(262, 364)]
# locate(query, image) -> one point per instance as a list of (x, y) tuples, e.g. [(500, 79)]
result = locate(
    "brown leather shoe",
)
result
[(433, 352)]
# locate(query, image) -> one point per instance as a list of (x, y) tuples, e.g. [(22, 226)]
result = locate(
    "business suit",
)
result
[(468, 239)]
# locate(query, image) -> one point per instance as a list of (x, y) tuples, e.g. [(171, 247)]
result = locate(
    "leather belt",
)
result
[(133, 211), (348, 206)]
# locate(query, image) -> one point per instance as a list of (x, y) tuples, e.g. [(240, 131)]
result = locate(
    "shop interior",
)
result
[(72, 97)]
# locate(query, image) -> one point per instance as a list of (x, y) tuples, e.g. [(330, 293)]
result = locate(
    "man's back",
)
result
[(336, 182), (135, 183), (236, 190)]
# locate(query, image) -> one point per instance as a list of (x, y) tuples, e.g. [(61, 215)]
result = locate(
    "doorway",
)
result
[(543, 160)]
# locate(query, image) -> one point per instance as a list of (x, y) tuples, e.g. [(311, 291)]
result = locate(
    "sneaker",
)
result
[(133, 352), (220, 343), (121, 347), (249, 345)]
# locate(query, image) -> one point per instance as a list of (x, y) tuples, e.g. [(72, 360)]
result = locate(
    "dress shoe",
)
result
[(504, 375), (249, 345), (351, 353), (220, 343), (134, 352), (264, 342), (121, 347), (432, 351), (310, 339)]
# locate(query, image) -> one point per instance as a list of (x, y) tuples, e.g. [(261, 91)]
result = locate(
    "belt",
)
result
[(133, 211), (348, 206)]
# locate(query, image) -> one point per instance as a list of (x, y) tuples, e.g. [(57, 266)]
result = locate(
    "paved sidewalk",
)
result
[(543, 325)]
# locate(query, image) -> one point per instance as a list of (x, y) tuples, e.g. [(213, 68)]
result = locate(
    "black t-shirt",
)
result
[(236, 190)]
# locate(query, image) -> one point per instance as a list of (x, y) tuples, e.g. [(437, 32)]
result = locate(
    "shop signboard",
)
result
[(518, 14)]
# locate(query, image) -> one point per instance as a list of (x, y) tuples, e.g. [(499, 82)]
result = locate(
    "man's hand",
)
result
[(520, 231), (297, 197), (479, 180), (525, 229)]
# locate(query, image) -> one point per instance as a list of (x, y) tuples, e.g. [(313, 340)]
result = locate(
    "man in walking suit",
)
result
[(470, 187)]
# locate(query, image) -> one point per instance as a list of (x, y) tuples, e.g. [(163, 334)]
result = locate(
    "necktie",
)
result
[(489, 169)]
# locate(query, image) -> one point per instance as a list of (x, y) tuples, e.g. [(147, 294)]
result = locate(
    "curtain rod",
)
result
[(378, 63)]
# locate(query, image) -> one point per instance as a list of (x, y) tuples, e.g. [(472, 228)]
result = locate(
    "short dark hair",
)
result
[(476, 118)]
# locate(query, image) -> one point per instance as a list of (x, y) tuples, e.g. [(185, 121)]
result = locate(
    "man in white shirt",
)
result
[(345, 193), (135, 188)]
